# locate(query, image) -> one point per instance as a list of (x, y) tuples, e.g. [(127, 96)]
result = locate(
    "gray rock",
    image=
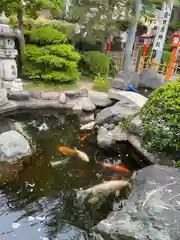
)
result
[(50, 95), (123, 79), (3, 97), (135, 126), (117, 112), (84, 92), (105, 138), (119, 135), (150, 79), (109, 126), (62, 98), (152, 210), (19, 96), (13, 146), (100, 99), (85, 103), (72, 94), (137, 98), (86, 118), (135, 141), (35, 95), (119, 83)]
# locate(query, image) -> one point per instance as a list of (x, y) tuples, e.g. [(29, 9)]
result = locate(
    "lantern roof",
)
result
[(175, 34)]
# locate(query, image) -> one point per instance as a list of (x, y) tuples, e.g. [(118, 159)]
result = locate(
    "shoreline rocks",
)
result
[(13, 146), (84, 104), (152, 209)]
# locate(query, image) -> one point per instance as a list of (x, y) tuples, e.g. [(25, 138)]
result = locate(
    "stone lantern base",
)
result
[(6, 84)]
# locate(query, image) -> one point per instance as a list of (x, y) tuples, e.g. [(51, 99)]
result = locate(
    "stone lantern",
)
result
[(9, 55)]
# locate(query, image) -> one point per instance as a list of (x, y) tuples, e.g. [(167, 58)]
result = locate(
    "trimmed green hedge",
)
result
[(46, 35), (94, 64), (49, 61), (161, 119)]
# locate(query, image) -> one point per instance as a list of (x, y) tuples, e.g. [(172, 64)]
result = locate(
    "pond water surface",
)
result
[(41, 204)]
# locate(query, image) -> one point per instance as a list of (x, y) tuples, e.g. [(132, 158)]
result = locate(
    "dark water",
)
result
[(41, 204)]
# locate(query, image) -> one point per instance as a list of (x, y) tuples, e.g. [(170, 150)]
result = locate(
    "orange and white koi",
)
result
[(114, 167), (74, 152), (67, 151)]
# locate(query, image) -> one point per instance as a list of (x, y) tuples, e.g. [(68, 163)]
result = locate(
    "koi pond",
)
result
[(41, 203)]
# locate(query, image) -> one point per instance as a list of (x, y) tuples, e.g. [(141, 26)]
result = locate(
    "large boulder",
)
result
[(108, 134), (134, 97), (123, 79), (86, 117), (13, 146), (152, 211), (100, 99), (85, 103), (135, 126), (150, 79), (105, 138), (117, 112)]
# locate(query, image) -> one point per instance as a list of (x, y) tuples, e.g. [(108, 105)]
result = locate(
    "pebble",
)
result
[(40, 218), (44, 238), (30, 218), (16, 225)]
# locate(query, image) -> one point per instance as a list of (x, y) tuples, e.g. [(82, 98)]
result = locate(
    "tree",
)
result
[(29, 7), (99, 19)]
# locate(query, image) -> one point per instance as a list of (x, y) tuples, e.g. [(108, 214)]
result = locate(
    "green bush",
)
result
[(48, 61), (101, 83), (94, 64), (66, 50), (161, 119), (46, 35), (112, 68), (176, 164)]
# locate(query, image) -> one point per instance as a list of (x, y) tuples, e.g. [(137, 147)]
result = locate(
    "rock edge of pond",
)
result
[(106, 109)]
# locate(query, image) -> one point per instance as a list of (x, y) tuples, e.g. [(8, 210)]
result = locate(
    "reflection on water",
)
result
[(41, 204)]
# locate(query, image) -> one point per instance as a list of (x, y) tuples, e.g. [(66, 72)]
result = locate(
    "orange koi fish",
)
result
[(67, 151), (83, 138), (114, 167), (74, 152)]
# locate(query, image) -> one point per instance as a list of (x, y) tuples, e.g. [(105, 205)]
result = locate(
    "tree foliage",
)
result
[(100, 18), (103, 19), (49, 58), (30, 7)]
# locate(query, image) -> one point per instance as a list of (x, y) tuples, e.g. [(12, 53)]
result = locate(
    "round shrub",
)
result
[(94, 64), (46, 35), (161, 119), (48, 60)]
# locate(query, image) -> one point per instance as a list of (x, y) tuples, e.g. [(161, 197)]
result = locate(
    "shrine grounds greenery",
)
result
[(51, 59), (48, 57), (161, 119)]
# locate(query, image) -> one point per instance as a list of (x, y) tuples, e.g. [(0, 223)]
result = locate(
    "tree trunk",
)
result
[(131, 37), (20, 19)]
